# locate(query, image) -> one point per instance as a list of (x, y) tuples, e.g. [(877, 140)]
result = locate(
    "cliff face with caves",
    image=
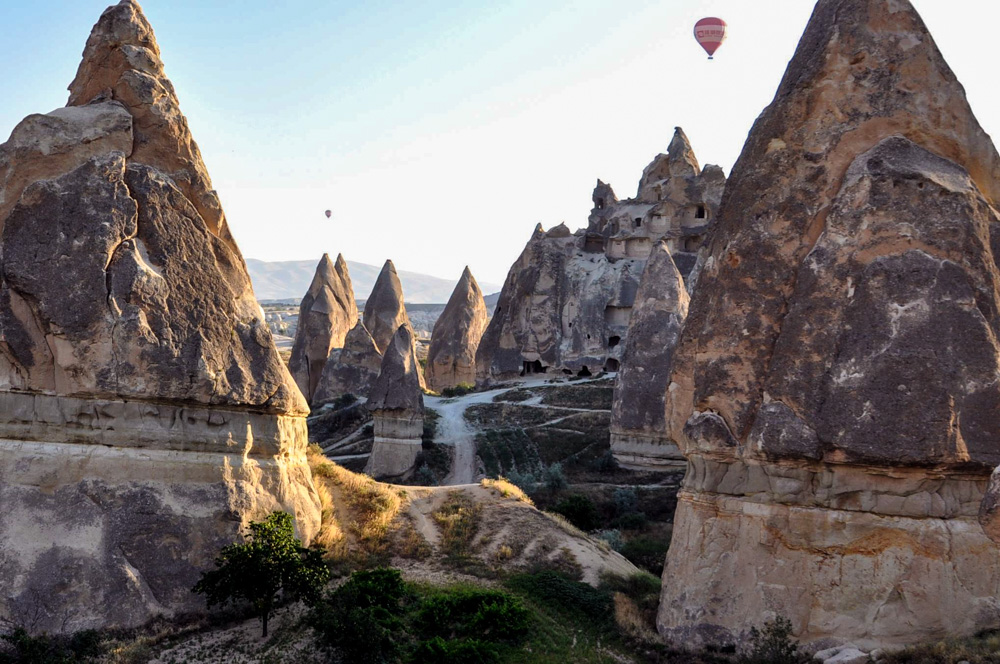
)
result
[(834, 389), (145, 414)]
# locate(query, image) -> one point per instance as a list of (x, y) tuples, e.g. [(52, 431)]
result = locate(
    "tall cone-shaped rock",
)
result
[(397, 403), (145, 414), (350, 370), (384, 309), (327, 313), (451, 360), (835, 385), (638, 423)]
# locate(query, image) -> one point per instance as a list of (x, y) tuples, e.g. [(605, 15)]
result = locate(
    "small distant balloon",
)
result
[(710, 33), (328, 214)]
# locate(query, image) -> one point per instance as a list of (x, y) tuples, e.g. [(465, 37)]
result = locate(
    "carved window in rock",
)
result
[(701, 212), (614, 341), (612, 365), (600, 203), (638, 222)]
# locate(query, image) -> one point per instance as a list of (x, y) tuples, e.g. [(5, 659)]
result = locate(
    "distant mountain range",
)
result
[(289, 280)]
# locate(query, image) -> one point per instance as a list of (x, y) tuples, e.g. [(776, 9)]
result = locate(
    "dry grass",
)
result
[(507, 490), (411, 544), (458, 519), (981, 649), (373, 506)]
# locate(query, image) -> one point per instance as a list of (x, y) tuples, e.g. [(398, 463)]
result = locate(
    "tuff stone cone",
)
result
[(384, 309), (451, 360), (397, 403), (146, 414), (639, 437), (834, 389), (351, 370), (327, 313)]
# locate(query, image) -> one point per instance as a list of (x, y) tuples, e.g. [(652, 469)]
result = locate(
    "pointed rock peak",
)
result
[(384, 310), (325, 276), (121, 62), (341, 265), (398, 386), (467, 277), (603, 195), (681, 155), (466, 286)]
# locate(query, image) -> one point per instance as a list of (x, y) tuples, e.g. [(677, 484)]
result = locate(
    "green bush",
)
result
[(772, 644), (580, 511), (361, 617), (648, 553), (570, 597), (472, 612), (632, 521), (471, 651), (626, 500), (271, 562), (20, 647), (344, 400), (554, 477)]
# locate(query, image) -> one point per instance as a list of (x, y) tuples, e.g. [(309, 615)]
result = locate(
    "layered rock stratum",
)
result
[(145, 415), (834, 389), (639, 438), (327, 313), (451, 360), (565, 305), (352, 369), (396, 400)]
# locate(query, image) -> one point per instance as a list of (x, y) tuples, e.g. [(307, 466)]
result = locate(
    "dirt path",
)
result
[(452, 429)]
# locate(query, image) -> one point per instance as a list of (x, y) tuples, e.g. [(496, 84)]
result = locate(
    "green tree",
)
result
[(269, 562)]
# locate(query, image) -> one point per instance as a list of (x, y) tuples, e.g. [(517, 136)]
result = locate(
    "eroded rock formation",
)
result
[(566, 303), (145, 414), (451, 360), (397, 404), (834, 389), (326, 315), (639, 438), (384, 308), (351, 369)]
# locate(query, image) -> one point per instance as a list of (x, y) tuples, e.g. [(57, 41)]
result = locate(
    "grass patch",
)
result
[(514, 396), (591, 397), (983, 648), (505, 415), (506, 450), (507, 489), (458, 518), (459, 390)]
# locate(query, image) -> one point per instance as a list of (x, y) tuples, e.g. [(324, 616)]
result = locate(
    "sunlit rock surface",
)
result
[(145, 416), (834, 389)]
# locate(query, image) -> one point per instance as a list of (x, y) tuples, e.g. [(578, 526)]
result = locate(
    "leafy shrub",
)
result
[(580, 511), (648, 553), (526, 481), (554, 478), (565, 595), (632, 521), (613, 537), (24, 648), (361, 617), (458, 518), (607, 463), (473, 613), (626, 500), (471, 651), (344, 400), (269, 562), (772, 644)]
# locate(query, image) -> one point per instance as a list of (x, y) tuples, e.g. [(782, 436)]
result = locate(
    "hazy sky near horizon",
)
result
[(440, 133)]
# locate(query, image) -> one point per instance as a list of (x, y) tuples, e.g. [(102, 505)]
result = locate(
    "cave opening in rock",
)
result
[(614, 341), (638, 222), (533, 368), (700, 213), (584, 372), (612, 365)]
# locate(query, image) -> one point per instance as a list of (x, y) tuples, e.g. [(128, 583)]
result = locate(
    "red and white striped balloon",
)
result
[(710, 33)]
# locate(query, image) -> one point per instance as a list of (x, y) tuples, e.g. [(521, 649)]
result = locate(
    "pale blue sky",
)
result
[(440, 133)]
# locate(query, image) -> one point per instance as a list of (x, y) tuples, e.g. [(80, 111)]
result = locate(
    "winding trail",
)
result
[(452, 429)]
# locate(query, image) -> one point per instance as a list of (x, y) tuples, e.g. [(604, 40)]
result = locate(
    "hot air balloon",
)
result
[(328, 214), (710, 33)]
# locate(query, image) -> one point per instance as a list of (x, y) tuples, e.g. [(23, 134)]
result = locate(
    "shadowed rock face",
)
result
[(327, 313), (397, 403), (834, 389), (350, 370), (451, 360), (638, 419), (384, 309), (145, 411)]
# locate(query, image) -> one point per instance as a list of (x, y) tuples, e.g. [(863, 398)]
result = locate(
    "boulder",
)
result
[(834, 389), (397, 404), (451, 359), (327, 313), (350, 370), (639, 437), (145, 415)]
